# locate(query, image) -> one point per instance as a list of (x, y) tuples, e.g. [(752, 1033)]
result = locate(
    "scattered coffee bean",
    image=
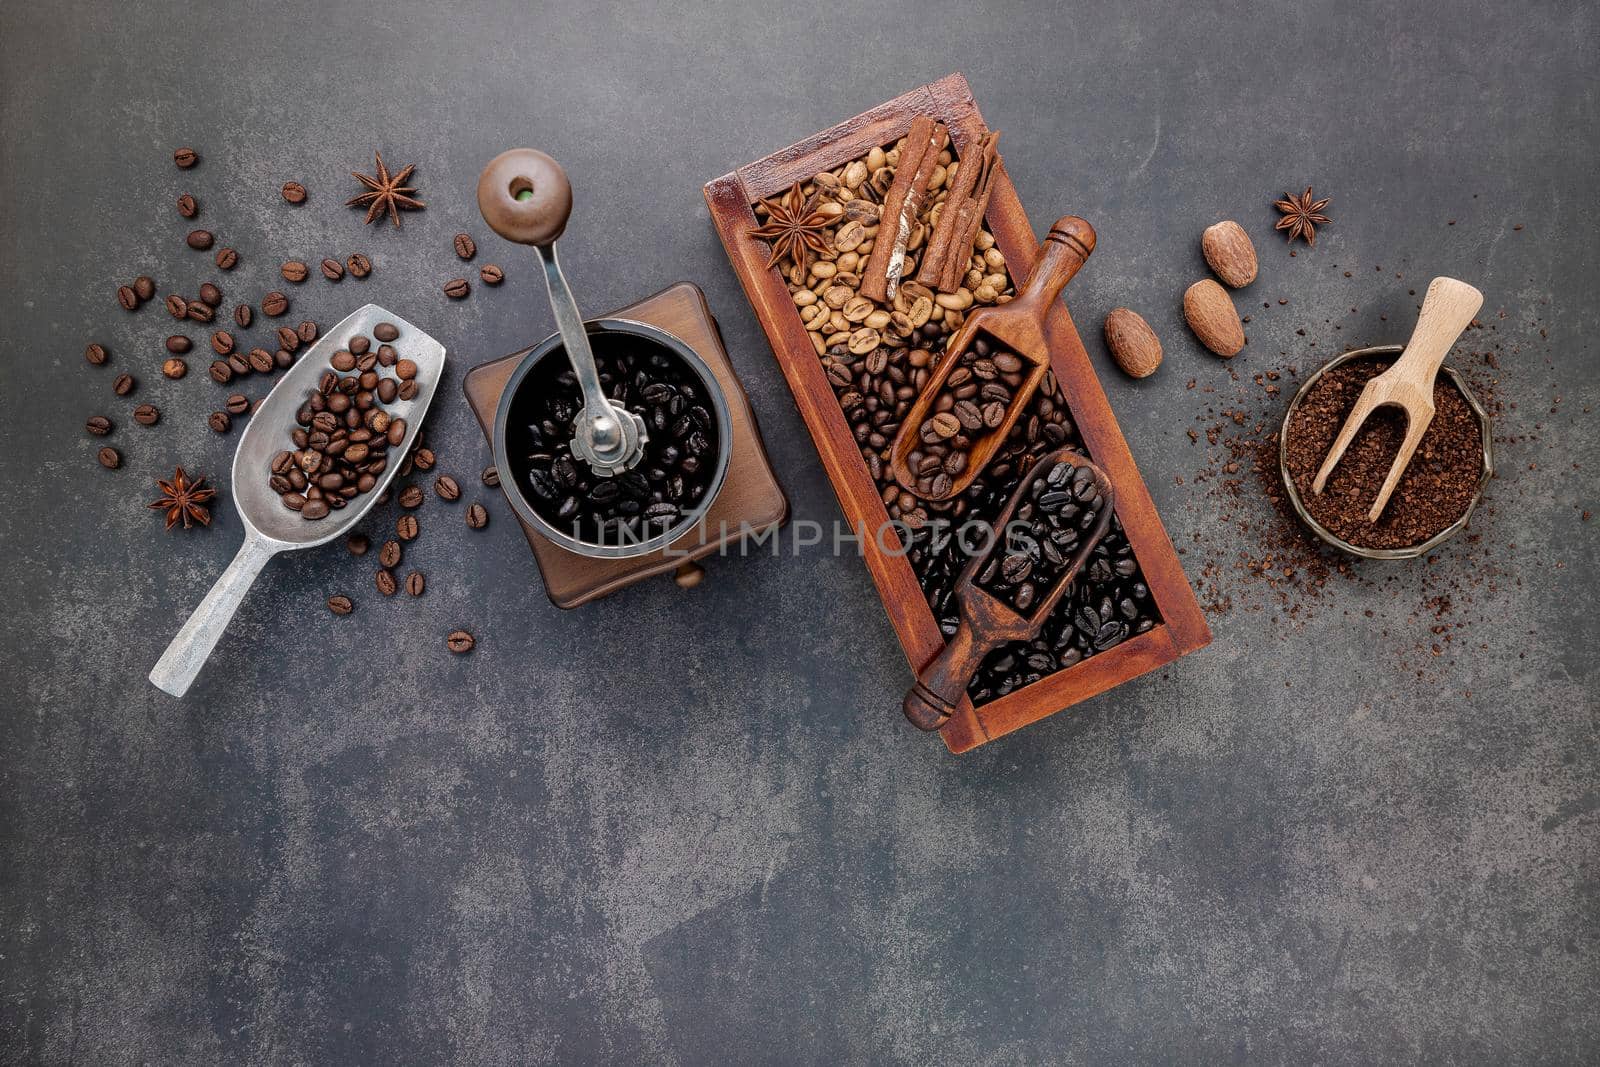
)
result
[(294, 271), (294, 192), (211, 295), (178, 344), (421, 457), (144, 287), (274, 304), (478, 516), (491, 476), (332, 269), (187, 207), (465, 247), (95, 354), (340, 605), (146, 415), (261, 361), (123, 385), (411, 496), (307, 332), (99, 425), (238, 363), (359, 265), (219, 421), (390, 553), (358, 544), (221, 372), (460, 642), (199, 311), (185, 157), (174, 367), (243, 315), (386, 332), (109, 458), (237, 404), (127, 298), (385, 582), (491, 274), (415, 583), (227, 258), (221, 342), (288, 339), (446, 487), (177, 306), (457, 288), (199, 240), (406, 527)]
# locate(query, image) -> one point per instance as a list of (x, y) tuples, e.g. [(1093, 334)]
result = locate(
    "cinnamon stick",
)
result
[(944, 263), (901, 204)]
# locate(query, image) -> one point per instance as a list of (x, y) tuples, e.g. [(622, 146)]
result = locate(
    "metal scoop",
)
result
[(525, 197), (269, 527)]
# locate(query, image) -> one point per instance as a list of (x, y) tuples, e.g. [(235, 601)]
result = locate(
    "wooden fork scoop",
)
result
[(1446, 311)]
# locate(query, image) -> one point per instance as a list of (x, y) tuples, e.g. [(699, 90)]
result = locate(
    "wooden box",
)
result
[(731, 197)]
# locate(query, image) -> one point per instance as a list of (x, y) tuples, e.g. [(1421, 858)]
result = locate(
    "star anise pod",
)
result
[(183, 498), (386, 192), (1301, 215), (795, 229)]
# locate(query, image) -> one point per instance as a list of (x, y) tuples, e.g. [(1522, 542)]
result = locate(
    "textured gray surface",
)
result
[(709, 836)]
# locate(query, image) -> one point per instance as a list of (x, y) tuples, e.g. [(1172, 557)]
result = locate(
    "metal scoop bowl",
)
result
[(269, 527)]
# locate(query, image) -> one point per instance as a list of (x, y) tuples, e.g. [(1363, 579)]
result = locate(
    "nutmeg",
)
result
[(1133, 344), (1229, 253), (1208, 309)]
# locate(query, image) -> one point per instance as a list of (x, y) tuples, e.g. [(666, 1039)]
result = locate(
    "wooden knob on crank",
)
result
[(525, 197)]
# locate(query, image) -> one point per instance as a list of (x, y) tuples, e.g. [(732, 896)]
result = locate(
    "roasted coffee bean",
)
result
[(219, 421), (185, 157), (199, 240), (211, 295), (446, 487), (294, 271), (220, 372), (307, 332), (174, 367), (360, 344), (411, 496), (343, 360), (359, 265), (187, 207), (199, 311), (178, 344), (294, 192), (332, 269), (386, 332), (490, 476), (338, 603), (109, 458), (405, 369), (315, 509), (388, 389), (274, 304), (406, 527), (460, 642), (227, 258), (415, 583), (358, 544), (237, 404), (146, 415), (144, 287), (261, 361), (491, 274), (477, 516), (123, 384), (385, 582), (390, 553), (238, 363), (243, 315), (423, 458), (99, 425), (457, 288), (95, 354), (127, 297), (288, 339), (177, 306), (221, 343), (465, 248)]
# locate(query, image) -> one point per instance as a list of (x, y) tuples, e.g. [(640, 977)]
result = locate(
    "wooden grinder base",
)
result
[(751, 500)]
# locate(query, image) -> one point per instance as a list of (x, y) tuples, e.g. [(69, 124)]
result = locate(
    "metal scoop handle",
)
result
[(180, 664)]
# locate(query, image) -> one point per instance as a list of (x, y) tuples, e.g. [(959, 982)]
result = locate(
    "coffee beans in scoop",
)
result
[(1045, 532), (972, 404)]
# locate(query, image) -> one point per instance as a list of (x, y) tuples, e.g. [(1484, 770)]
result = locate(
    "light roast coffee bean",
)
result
[(294, 192), (359, 265)]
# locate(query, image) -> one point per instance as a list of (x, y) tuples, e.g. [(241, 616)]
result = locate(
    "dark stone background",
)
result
[(693, 827)]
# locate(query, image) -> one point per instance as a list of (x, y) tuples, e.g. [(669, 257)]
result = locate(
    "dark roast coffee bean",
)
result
[(339, 604), (109, 458), (99, 425), (386, 332), (127, 298), (185, 157), (95, 354), (359, 265), (227, 258), (146, 415), (332, 269), (294, 192), (390, 553), (457, 288), (465, 248), (446, 487), (123, 385), (274, 304), (460, 642), (294, 271), (307, 332), (388, 389), (315, 509), (360, 344), (385, 582), (219, 421), (358, 544), (178, 344), (423, 458), (415, 583), (211, 294), (490, 476), (174, 368), (144, 287), (220, 372), (187, 207), (406, 527), (221, 343), (243, 314), (199, 311), (491, 274), (199, 240), (477, 516), (237, 404)]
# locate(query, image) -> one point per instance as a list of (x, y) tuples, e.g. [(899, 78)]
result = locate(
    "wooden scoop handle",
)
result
[(525, 197), (932, 700), (1068, 245)]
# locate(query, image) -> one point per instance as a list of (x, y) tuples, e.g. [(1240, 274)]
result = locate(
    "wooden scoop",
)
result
[(1019, 326), (1446, 311), (987, 620)]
